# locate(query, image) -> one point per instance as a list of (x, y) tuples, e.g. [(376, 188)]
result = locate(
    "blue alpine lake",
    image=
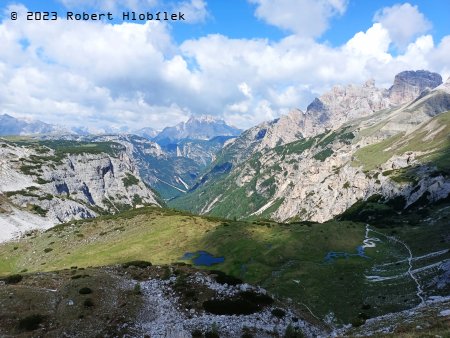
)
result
[(332, 255), (202, 258)]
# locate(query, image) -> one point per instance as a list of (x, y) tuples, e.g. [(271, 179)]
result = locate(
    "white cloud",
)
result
[(308, 18), (404, 23), (194, 10), (245, 89), (105, 75), (373, 43)]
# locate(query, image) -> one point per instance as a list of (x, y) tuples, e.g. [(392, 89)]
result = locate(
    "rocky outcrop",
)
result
[(197, 128), (47, 186), (277, 173), (332, 110), (288, 128), (409, 84), (343, 104)]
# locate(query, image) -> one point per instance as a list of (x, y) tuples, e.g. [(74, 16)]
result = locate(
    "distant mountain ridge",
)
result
[(10, 125), (204, 127)]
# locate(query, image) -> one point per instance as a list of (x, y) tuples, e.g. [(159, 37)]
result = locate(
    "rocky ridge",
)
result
[(46, 186), (316, 178), (198, 128), (332, 110), (13, 126), (343, 104), (162, 315)]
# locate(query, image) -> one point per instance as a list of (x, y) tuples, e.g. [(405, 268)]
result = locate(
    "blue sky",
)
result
[(239, 21), (248, 62)]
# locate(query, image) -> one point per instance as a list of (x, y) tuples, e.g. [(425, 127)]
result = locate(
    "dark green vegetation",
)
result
[(31, 322), (64, 147), (53, 152), (217, 193), (13, 279), (286, 259), (139, 264), (244, 303), (130, 180)]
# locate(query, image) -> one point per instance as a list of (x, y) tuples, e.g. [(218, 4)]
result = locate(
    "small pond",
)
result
[(202, 258), (332, 255)]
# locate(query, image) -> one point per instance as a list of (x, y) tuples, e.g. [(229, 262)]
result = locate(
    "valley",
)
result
[(339, 215)]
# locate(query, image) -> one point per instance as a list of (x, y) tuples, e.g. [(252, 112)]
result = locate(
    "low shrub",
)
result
[(197, 333), (256, 298), (213, 333), (292, 333), (137, 289), (85, 291), (13, 279), (223, 278), (31, 323), (230, 307), (279, 313), (88, 302), (138, 264)]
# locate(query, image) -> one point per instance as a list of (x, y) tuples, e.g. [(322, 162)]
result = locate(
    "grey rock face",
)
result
[(12, 126), (409, 84), (197, 128), (342, 104), (278, 173), (147, 132), (40, 188)]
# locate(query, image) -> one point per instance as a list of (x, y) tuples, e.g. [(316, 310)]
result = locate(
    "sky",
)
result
[(245, 61)]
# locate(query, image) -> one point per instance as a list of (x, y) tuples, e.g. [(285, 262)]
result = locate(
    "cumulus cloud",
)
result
[(308, 18), (195, 10), (110, 75), (404, 23)]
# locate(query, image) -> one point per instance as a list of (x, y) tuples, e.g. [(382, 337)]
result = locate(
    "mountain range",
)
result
[(273, 170), (197, 128), (331, 221), (203, 127), (13, 126)]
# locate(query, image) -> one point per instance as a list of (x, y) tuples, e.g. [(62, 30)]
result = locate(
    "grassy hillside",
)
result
[(290, 260), (431, 139)]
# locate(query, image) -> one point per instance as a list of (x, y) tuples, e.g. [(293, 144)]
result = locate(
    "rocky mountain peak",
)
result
[(204, 127), (343, 103), (409, 84), (9, 125), (204, 119), (146, 132), (369, 83)]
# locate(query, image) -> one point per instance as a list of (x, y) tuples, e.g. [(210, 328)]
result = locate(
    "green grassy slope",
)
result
[(288, 260), (432, 138)]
